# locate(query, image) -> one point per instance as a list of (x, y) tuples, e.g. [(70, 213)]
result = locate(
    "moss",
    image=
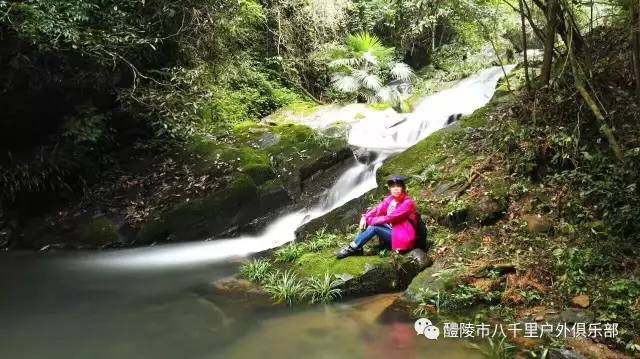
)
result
[(425, 153), (269, 187), (301, 108), (379, 106), (319, 263), (359, 116), (97, 231), (258, 172), (477, 119), (498, 186)]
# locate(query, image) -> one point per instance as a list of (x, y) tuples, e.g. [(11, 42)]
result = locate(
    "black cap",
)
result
[(396, 180)]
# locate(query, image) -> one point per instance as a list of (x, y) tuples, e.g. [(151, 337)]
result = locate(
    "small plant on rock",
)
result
[(288, 253), (322, 290), (285, 287), (257, 270)]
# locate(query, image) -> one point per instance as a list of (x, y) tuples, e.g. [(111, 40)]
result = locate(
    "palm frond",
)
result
[(363, 42), (401, 71), (368, 80), (370, 58), (345, 83), (389, 94)]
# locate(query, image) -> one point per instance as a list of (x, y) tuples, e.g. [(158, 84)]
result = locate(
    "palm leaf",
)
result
[(345, 83), (401, 71), (368, 80)]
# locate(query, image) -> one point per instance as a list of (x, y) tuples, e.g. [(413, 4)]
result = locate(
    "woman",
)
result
[(391, 221)]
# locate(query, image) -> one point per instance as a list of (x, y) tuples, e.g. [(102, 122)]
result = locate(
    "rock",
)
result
[(219, 213), (537, 224), (573, 315), (365, 156), (486, 211), (328, 160), (339, 218), (242, 293), (381, 278), (431, 279), (580, 301), (420, 257), (267, 139), (590, 349), (555, 353), (359, 275)]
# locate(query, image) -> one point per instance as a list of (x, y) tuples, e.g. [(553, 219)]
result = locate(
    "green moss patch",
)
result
[(319, 263)]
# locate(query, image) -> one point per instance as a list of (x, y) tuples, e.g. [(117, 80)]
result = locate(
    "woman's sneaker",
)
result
[(348, 251)]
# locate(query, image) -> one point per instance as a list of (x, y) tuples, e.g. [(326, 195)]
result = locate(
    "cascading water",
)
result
[(383, 134), (138, 303)]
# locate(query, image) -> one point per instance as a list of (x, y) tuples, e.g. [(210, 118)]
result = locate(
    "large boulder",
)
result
[(486, 210), (364, 275), (210, 216), (432, 279), (340, 218)]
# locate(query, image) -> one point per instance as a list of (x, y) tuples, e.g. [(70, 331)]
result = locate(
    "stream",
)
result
[(142, 302)]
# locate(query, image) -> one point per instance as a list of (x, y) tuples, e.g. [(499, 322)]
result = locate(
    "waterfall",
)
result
[(383, 135)]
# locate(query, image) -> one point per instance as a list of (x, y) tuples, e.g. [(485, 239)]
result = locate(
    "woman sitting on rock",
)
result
[(391, 221)]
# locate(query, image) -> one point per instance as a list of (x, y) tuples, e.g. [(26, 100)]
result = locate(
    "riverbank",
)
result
[(514, 238)]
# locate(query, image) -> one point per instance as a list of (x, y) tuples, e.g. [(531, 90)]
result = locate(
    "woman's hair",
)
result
[(397, 181)]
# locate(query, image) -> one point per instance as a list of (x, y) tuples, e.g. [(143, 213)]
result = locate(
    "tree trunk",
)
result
[(579, 79), (549, 42), (524, 47)]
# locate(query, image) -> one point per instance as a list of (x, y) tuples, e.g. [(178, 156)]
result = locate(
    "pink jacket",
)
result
[(403, 234)]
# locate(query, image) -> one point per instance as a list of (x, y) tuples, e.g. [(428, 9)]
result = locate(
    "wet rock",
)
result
[(216, 214), (537, 224), (266, 140), (338, 219), (241, 292), (555, 353), (325, 162), (580, 301), (420, 257), (365, 156), (486, 211)]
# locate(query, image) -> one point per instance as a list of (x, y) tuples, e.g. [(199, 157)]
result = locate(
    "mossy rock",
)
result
[(361, 275), (96, 232), (202, 217), (417, 158), (486, 210), (432, 279), (478, 118)]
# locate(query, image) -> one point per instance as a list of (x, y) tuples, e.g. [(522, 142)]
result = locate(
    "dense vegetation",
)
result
[(89, 86)]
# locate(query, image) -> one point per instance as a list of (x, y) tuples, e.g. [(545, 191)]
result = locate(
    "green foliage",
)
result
[(257, 270), (575, 266), (364, 66), (322, 290), (285, 287), (495, 348), (288, 253)]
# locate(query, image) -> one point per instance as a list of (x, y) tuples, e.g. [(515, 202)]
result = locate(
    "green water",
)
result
[(51, 308)]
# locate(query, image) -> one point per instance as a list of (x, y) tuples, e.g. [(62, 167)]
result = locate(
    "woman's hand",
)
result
[(363, 222)]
